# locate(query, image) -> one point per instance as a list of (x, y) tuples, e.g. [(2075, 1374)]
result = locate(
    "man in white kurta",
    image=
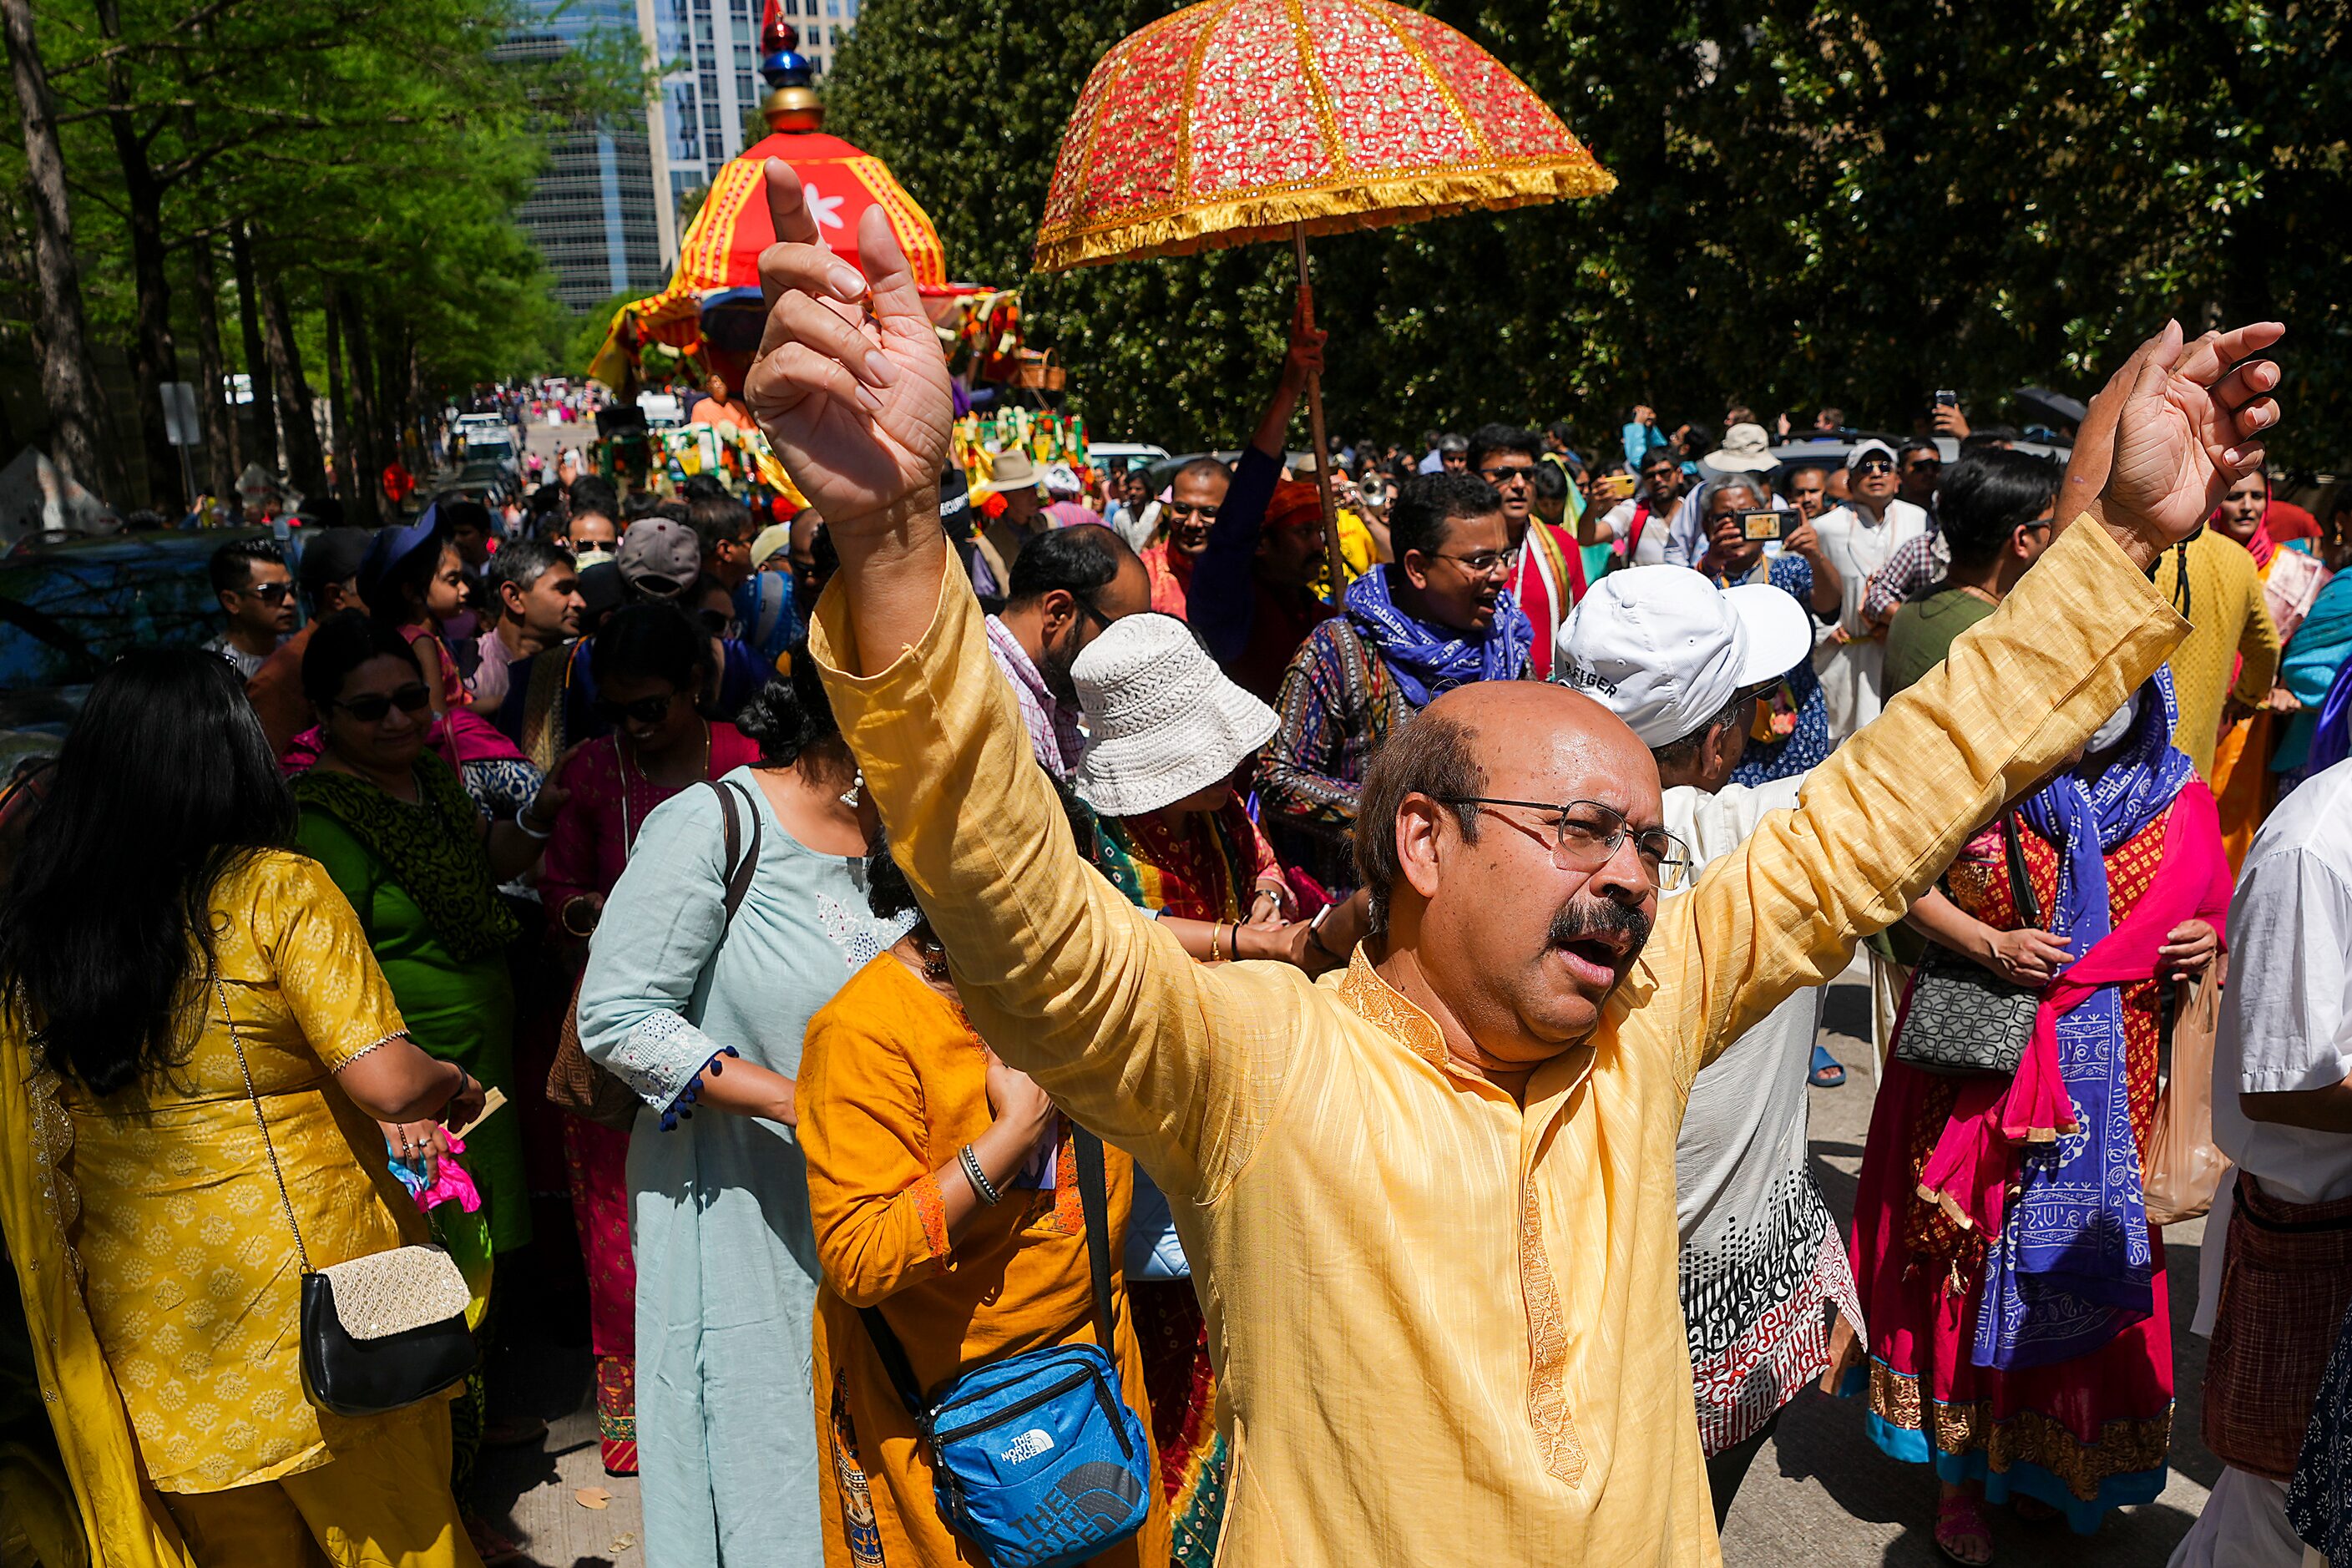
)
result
[(1851, 656)]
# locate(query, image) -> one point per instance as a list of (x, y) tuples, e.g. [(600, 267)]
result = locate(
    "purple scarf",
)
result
[(1428, 660), (2071, 1265)]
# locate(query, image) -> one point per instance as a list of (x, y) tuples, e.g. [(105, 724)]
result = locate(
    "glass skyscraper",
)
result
[(606, 210)]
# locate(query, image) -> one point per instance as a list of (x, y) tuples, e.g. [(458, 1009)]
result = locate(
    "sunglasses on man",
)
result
[(376, 706), (268, 592)]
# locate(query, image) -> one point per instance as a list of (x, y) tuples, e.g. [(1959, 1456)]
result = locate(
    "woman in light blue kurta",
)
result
[(700, 1013)]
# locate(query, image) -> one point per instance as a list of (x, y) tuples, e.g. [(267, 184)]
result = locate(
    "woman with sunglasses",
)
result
[(398, 834), (652, 665)]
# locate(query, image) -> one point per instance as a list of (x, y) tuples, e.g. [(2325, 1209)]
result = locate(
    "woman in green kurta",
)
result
[(396, 829)]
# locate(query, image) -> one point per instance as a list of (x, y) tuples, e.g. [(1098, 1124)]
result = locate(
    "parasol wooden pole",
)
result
[(1339, 567)]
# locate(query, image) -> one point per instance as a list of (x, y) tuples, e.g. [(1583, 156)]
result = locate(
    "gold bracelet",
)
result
[(1216, 934)]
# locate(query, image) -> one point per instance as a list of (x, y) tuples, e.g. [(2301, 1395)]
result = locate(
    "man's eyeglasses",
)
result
[(268, 592), (1187, 511), (1486, 563), (718, 624), (1588, 834), (1874, 466), (1499, 478), (376, 706), (645, 710), (1919, 463)]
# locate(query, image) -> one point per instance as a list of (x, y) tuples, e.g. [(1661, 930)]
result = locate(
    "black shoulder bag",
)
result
[(1963, 1017)]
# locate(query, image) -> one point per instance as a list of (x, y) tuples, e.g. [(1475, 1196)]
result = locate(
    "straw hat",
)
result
[(1012, 471), (1165, 721)]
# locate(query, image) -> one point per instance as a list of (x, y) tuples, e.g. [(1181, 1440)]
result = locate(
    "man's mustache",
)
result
[(1587, 917)]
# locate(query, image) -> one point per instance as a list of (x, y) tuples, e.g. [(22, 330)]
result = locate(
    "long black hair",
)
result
[(164, 786)]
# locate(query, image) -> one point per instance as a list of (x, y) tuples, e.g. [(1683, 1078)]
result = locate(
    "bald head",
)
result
[(1518, 950), (1527, 727)]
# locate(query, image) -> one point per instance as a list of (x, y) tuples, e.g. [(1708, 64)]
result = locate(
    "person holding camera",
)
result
[(1746, 541)]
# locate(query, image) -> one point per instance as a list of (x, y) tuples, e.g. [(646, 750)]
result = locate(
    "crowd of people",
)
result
[(897, 933)]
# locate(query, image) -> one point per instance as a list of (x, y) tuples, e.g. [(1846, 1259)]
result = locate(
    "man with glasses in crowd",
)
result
[(1547, 569), (1491, 1093), (1440, 615), (256, 593), (1196, 497), (1642, 527), (1858, 538), (1918, 466), (1916, 564), (1067, 586)]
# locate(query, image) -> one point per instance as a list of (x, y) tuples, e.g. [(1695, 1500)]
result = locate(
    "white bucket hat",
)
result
[(1745, 449), (1664, 648), (1164, 720)]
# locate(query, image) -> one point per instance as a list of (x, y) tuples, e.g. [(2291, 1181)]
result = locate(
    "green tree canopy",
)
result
[(1838, 205)]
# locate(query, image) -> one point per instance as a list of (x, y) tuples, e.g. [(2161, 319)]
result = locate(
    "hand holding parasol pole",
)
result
[(1305, 324)]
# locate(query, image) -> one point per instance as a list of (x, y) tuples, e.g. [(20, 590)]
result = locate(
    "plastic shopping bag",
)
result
[(2184, 1168)]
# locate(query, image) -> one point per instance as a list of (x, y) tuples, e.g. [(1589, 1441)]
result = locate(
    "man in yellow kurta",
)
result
[(1430, 1202)]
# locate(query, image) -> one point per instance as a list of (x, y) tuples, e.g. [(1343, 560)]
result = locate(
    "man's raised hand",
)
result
[(2190, 426), (854, 400)]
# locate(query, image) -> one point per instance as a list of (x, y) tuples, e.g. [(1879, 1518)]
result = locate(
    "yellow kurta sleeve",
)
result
[(880, 1222), (1179, 1065), (1886, 814), (325, 969), (2259, 647)]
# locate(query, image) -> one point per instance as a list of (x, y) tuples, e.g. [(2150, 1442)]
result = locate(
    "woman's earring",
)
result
[(848, 797)]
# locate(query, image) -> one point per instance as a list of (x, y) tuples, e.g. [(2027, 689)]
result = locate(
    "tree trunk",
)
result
[(212, 397), (306, 465), (339, 440), (257, 358), (392, 394), (366, 426), (68, 382), (154, 358)]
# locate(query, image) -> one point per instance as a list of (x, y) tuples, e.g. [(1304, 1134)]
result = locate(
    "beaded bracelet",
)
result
[(980, 1186)]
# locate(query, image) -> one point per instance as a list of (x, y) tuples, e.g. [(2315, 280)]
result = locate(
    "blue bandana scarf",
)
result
[(2071, 1267), (1427, 660)]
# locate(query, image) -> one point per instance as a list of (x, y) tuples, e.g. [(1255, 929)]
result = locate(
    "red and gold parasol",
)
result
[(1236, 121)]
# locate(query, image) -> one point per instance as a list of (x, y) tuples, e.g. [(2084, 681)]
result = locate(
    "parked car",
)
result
[(69, 610)]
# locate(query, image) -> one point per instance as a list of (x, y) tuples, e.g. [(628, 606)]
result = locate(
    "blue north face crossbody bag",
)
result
[(1037, 1460)]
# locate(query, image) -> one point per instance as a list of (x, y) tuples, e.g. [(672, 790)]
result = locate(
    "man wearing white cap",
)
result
[(1681, 661), (1858, 537)]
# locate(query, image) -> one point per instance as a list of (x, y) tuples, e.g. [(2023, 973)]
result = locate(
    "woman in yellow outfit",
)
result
[(894, 1085), (156, 900)]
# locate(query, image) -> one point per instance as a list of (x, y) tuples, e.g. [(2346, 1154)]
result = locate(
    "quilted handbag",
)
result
[(1962, 1018), (377, 1332)]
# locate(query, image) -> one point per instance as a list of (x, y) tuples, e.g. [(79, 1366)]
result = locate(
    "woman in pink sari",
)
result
[(650, 664), (2013, 1289)]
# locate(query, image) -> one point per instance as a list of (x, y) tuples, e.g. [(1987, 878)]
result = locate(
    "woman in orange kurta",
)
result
[(893, 1084)]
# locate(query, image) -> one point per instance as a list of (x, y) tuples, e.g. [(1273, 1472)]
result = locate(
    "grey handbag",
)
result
[(1962, 1017)]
